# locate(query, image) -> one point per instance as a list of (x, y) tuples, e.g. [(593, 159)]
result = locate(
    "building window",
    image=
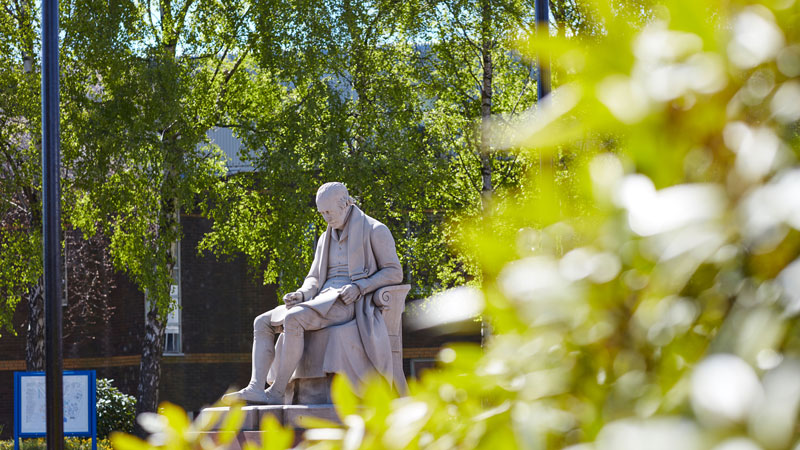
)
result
[(173, 344)]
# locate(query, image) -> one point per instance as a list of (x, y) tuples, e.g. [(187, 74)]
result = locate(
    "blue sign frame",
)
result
[(92, 407)]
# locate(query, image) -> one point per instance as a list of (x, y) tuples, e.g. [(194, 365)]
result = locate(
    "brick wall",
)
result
[(220, 300)]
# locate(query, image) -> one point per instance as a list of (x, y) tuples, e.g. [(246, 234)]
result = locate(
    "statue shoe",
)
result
[(273, 397), (248, 394)]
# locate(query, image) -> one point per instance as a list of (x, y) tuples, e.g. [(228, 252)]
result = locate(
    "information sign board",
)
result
[(30, 406)]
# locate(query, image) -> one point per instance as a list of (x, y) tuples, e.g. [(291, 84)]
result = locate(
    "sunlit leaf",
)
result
[(275, 437), (343, 397)]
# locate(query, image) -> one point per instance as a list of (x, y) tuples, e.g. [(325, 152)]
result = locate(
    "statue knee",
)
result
[(292, 324), (261, 324)]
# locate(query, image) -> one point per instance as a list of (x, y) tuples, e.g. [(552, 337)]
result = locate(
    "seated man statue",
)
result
[(354, 256)]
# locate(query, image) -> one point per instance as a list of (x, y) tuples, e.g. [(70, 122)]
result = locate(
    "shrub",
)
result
[(115, 411)]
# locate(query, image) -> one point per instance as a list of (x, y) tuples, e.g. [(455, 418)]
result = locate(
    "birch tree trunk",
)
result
[(34, 338), (486, 102), (34, 342), (150, 365), (155, 319)]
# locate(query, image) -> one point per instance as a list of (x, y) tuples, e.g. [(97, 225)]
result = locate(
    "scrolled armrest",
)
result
[(382, 298), (391, 301)]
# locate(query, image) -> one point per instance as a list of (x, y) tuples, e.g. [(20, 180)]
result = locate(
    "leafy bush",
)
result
[(115, 411)]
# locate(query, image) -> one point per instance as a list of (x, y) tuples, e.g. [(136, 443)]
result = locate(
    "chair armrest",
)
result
[(391, 301), (383, 297)]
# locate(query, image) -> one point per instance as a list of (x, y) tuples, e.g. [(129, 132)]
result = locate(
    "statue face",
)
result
[(332, 211)]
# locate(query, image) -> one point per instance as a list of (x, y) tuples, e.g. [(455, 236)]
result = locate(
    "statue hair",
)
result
[(339, 191)]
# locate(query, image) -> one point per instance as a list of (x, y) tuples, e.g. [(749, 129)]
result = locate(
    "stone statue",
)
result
[(354, 256)]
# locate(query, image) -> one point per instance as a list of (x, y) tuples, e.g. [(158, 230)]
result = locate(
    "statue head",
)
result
[(333, 202)]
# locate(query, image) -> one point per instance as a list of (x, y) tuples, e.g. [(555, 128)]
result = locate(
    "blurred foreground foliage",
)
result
[(643, 287)]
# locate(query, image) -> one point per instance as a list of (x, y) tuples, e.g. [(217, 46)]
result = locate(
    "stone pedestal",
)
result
[(287, 415), (310, 391)]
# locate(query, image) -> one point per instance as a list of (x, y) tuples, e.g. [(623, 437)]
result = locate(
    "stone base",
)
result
[(311, 391), (287, 415), (235, 442), (292, 416)]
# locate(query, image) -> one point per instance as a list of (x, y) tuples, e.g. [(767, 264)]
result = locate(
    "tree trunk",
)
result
[(150, 366), (487, 92), (154, 327), (34, 345), (486, 103)]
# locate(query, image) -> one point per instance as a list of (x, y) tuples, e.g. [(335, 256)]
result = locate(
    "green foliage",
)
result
[(115, 411), (18, 248), (141, 117), (385, 97), (624, 295), (639, 270), (153, 80), (20, 172)]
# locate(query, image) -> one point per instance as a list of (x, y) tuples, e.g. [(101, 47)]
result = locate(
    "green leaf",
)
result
[(231, 424), (344, 399), (275, 437), (124, 441)]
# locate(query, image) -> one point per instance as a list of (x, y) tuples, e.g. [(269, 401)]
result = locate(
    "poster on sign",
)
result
[(30, 405)]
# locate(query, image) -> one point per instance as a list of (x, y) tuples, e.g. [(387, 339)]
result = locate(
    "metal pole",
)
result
[(51, 213), (542, 10)]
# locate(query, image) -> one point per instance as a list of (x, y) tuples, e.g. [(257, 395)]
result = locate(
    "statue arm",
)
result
[(311, 284), (389, 270)]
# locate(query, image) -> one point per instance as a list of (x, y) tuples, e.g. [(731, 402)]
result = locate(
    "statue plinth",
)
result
[(287, 415), (291, 416)]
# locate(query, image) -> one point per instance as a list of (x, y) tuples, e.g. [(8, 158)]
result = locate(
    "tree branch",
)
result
[(181, 19), (522, 92), (219, 63), (152, 23), (462, 26), (10, 12), (236, 66)]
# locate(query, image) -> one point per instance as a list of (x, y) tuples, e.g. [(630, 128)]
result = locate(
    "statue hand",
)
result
[(350, 293), (292, 298)]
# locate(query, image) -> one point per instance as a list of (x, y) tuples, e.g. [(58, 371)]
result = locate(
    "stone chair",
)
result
[(311, 381)]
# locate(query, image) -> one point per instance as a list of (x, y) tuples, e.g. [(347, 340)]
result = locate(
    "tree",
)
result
[(390, 98), (20, 211), (156, 80), (474, 74), (332, 94), (20, 184), (648, 319)]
